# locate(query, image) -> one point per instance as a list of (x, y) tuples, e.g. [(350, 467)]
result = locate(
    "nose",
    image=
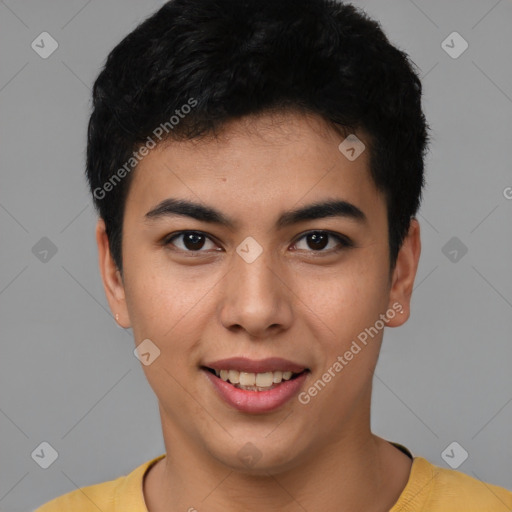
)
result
[(256, 297)]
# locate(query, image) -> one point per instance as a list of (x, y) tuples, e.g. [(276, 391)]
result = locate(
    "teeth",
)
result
[(264, 380), (247, 379), (234, 376), (253, 381)]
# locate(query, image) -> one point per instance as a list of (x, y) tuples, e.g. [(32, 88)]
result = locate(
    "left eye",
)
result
[(194, 241), (318, 240)]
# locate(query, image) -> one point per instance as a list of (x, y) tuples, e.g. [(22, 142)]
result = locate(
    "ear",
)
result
[(404, 273), (111, 277)]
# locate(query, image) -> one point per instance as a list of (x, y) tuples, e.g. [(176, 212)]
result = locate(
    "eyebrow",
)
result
[(330, 208)]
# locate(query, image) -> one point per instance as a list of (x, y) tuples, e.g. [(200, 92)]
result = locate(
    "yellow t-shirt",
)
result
[(429, 489)]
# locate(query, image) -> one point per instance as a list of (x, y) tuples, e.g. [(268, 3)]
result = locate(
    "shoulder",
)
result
[(91, 498), (440, 489), (470, 493), (124, 493)]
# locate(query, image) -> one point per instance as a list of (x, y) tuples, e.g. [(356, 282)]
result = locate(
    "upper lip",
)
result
[(243, 364)]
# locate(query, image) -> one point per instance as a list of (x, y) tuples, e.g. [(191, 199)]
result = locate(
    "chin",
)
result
[(259, 456)]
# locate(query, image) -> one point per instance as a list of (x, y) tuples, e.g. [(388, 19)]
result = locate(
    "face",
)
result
[(257, 291)]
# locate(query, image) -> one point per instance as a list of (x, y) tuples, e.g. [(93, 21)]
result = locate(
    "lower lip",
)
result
[(257, 401)]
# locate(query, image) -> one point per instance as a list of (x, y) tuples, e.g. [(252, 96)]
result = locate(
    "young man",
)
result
[(257, 166)]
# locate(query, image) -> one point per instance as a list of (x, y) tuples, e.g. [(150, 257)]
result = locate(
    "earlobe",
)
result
[(111, 277), (404, 275)]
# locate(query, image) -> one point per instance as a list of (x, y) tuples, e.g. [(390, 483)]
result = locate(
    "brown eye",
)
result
[(192, 241), (319, 240)]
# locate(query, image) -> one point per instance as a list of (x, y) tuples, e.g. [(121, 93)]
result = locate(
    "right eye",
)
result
[(192, 241)]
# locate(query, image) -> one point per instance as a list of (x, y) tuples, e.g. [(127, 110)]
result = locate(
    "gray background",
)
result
[(68, 375)]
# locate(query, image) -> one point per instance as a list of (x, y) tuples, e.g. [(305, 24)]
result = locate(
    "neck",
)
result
[(355, 472)]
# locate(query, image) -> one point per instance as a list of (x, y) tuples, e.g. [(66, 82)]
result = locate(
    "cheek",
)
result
[(356, 291), (167, 312), (153, 303), (343, 303), (166, 305)]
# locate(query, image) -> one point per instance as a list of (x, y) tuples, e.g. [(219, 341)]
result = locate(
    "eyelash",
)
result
[(344, 242)]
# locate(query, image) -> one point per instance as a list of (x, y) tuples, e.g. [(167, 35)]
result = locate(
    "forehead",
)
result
[(256, 165)]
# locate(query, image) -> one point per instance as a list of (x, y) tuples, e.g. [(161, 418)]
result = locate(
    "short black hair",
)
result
[(195, 64)]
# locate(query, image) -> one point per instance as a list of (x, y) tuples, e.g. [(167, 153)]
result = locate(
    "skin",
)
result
[(295, 301)]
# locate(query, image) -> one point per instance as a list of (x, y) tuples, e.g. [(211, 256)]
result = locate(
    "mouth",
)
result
[(255, 386)]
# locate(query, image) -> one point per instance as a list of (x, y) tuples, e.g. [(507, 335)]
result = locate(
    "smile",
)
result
[(256, 391)]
